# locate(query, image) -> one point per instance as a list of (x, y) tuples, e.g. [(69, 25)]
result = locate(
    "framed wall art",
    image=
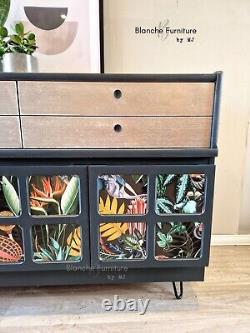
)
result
[(68, 33)]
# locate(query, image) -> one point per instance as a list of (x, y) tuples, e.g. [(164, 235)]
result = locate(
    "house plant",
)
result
[(16, 49), (20, 57)]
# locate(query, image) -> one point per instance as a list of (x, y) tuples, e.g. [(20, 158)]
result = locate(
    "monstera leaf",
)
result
[(112, 231)]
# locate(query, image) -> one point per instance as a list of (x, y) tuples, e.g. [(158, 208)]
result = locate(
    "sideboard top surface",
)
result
[(128, 77)]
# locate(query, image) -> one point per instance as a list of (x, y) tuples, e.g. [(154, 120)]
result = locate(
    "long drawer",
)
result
[(10, 136), (8, 98), (116, 98), (115, 132)]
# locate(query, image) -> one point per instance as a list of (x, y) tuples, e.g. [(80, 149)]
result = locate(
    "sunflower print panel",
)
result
[(122, 194), (122, 241)]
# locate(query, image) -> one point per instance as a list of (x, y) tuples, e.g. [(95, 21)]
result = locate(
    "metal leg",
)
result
[(178, 295)]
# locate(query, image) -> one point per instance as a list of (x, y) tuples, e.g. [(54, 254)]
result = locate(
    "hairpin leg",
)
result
[(178, 295)]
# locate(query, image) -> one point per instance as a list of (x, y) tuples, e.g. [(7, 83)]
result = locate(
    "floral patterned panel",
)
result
[(9, 197), (122, 241), (54, 195), (178, 240), (122, 194), (11, 244), (180, 193), (56, 242)]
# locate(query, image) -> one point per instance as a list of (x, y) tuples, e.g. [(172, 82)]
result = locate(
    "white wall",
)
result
[(221, 43)]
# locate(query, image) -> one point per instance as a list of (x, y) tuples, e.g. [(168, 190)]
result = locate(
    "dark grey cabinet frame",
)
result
[(150, 218), (26, 220), (24, 162)]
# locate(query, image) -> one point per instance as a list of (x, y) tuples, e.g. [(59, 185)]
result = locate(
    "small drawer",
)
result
[(10, 136), (8, 98), (116, 98), (116, 132)]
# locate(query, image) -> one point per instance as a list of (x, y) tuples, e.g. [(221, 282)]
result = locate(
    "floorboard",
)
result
[(220, 304)]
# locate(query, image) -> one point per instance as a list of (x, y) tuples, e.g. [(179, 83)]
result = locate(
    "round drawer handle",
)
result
[(117, 93), (117, 128)]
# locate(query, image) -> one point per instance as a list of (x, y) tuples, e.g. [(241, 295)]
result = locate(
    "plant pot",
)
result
[(18, 62)]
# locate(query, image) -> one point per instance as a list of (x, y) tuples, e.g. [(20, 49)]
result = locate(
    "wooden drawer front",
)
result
[(10, 136), (98, 132), (8, 98), (97, 99)]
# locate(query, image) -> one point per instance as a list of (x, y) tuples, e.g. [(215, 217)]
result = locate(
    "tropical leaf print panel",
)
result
[(122, 194), (9, 197), (54, 195), (11, 244), (178, 240), (122, 241), (180, 193), (56, 242)]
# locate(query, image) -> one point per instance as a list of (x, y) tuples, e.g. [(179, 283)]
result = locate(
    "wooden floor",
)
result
[(220, 304)]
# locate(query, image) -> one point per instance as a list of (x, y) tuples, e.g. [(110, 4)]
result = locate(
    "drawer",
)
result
[(115, 132), (8, 98), (116, 98), (10, 136)]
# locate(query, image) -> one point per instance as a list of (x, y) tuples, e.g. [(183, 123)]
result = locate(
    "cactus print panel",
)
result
[(10, 204), (11, 244), (122, 194), (180, 193), (54, 195), (178, 240), (122, 241), (56, 242)]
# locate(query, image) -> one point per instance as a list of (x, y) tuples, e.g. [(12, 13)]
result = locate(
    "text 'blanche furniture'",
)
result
[(106, 178)]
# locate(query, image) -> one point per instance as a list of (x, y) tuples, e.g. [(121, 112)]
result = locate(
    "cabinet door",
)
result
[(44, 218), (150, 216)]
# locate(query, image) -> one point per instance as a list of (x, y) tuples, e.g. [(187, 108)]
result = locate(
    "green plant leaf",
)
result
[(70, 197), (181, 187), (16, 39), (168, 179), (4, 11), (31, 37), (19, 28), (48, 200), (163, 205), (161, 236), (38, 210), (11, 196), (3, 32), (161, 243), (54, 243), (60, 254), (47, 254)]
